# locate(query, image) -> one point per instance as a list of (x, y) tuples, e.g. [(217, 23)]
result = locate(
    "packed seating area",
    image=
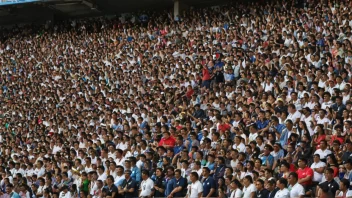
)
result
[(242, 100)]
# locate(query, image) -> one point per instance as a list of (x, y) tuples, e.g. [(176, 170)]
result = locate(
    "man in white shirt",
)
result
[(65, 193), (101, 173), (323, 151), (318, 168), (146, 186), (195, 190), (293, 115), (120, 176), (283, 191), (40, 170), (249, 188), (238, 145), (119, 160), (297, 189)]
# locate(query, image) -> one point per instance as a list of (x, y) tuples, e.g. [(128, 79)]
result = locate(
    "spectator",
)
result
[(195, 189)]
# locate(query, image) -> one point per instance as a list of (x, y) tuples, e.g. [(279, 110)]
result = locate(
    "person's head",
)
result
[(259, 184), (284, 167), (316, 158), (235, 184), (292, 178), (247, 180), (9, 188), (220, 161), (323, 144), (281, 183), (344, 184), (267, 149), (289, 124), (270, 184), (170, 171), (145, 174), (100, 184), (178, 173), (302, 162), (194, 176), (250, 165), (329, 174), (205, 172), (110, 179)]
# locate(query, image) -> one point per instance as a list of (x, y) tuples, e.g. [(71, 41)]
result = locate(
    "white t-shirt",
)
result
[(236, 193), (294, 116), (146, 187), (196, 188), (322, 153), (241, 147), (317, 176), (296, 190), (348, 194), (252, 136), (284, 193), (65, 195), (248, 190)]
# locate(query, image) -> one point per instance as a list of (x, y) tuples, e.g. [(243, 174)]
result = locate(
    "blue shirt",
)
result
[(14, 195), (280, 127), (211, 166), (169, 186), (229, 77), (179, 182), (136, 174), (178, 149), (208, 184), (270, 159), (262, 125)]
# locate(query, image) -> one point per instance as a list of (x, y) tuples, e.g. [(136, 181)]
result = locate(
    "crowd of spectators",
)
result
[(244, 100)]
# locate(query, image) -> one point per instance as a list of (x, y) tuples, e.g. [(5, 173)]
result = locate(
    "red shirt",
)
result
[(189, 93), (169, 141), (335, 137), (303, 173), (206, 75), (292, 168), (224, 127)]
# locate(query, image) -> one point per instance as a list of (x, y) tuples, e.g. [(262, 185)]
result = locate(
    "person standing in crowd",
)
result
[(296, 189), (179, 187), (195, 189), (146, 186), (261, 191), (305, 175), (128, 186), (249, 189), (283, 192), (209, 184), (330, 186)]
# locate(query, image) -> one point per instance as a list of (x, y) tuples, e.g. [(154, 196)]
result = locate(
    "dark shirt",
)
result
[(199, 114), (131, 183), (110, 190), (346, 156), (280, 109), (169, 186), (219, 172), (329, 187), (338, 108), (208, 184), (160, 183), (264, 193), (180, 182), (273, 193)]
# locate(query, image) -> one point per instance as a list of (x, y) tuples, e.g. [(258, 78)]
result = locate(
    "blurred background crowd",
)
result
[(243, 100)]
